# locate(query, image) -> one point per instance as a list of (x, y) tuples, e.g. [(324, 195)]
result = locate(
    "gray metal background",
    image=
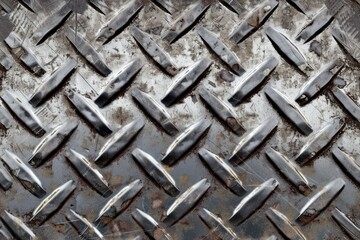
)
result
[(189, 169)]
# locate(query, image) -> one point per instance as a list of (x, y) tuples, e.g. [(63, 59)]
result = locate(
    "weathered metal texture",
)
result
[(193, 119)]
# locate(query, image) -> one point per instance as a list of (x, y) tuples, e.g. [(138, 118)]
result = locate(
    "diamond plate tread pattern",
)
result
[(194, 119)]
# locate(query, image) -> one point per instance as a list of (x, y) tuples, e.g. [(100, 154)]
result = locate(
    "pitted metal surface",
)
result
[(185, 119)]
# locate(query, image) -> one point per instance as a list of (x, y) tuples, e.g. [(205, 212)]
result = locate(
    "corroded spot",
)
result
[(317, 203), (222, 110), (288, 108), (224, 172), (118, 23), (254, 20), (315, 85), (289, 170), (221, 50), (149, 225), (24, 174), (315, 26), (26, 55)]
